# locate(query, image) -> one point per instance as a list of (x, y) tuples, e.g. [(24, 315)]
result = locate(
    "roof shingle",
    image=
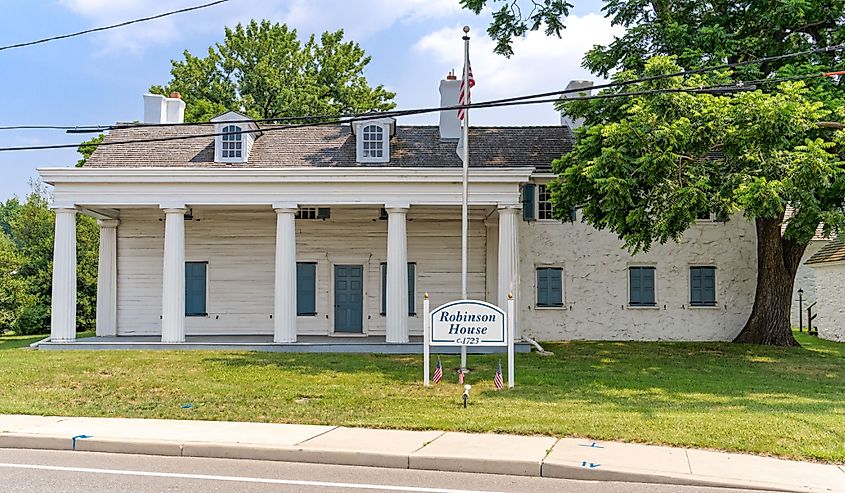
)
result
[(832, 252), (334, 146)]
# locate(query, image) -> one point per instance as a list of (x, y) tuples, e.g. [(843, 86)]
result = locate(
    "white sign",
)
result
[(468, 323)]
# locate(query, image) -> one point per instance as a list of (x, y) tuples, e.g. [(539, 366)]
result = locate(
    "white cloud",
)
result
[(360, 19), (541, 63)]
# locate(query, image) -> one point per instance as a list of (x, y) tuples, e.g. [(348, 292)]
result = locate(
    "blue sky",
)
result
[(100, 78)]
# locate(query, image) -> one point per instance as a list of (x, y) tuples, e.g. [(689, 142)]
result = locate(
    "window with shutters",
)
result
[(702, 286), (641, 286), (544, 203), (306, 289), (412, 275), (549, 287), (195, 289)]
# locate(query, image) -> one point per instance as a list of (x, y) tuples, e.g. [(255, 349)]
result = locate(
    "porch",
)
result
[(304, 344), (279, 256)]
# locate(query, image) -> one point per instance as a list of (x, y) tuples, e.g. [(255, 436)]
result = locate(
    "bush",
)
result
[(34, 319)]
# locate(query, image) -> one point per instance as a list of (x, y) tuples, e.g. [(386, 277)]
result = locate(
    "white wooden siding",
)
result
[(238, 245)]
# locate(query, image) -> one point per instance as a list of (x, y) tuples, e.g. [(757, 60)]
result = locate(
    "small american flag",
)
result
[(464, 88), (497, 378), (438, 371), (461, 376)]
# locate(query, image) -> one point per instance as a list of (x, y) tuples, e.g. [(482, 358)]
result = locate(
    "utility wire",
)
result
[(609, 85), (369, 116), (113, 26)]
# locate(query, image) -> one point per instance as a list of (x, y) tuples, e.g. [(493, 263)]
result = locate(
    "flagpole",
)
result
[(465, 180)]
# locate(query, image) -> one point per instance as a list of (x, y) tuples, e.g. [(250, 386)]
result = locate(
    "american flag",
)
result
[(438, 371), (463, 87), (461, 377), (497, 378)]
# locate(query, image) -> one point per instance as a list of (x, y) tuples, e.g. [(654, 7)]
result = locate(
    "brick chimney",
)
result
[(159, 109), (450, 88)]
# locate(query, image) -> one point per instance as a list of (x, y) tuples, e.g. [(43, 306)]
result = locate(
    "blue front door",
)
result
[(349, 298)]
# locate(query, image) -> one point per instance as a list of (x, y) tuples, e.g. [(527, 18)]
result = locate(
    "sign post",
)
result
[(468, 323)]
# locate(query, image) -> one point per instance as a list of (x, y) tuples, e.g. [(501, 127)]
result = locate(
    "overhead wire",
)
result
[(113, 26), (370, 116)]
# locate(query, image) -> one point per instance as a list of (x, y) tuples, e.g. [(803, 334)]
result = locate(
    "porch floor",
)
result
[(304, 344)]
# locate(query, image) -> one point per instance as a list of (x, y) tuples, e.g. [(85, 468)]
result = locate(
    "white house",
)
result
[(286, 234), (829, 266)]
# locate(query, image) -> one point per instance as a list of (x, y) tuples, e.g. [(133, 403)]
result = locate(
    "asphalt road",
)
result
[(41, 471)]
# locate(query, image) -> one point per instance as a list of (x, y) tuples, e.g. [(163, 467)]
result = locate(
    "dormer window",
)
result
[(372, 139), (232, 142), (373, 142), (235, 136)]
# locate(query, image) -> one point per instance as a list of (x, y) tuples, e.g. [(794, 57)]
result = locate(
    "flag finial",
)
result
[(466, 29)]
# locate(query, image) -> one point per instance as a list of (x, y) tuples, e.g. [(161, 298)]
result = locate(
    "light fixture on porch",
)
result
[(189, 216)]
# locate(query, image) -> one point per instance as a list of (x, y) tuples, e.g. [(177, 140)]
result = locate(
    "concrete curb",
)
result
[(457, 452)]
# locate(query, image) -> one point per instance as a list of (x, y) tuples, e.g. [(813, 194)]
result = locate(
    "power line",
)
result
[(609, 85), (113, 26), (369, 116)]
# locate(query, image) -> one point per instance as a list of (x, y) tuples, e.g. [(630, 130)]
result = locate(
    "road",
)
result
[(41, 471)]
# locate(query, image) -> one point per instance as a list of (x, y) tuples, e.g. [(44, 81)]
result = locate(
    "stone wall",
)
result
[(830, 293)]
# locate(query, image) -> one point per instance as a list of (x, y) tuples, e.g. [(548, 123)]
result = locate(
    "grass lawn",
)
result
[(788, 402)]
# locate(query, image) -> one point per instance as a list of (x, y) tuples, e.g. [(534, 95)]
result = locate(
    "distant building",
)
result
[(829, 266)]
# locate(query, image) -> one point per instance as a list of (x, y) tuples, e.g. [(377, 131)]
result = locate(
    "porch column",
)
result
[(107, 279), (284, 318), (397, 275), (173, 286), (508, 262), (63, 314)]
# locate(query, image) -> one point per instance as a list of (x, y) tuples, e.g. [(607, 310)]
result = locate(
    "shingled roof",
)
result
[(282, 146), (832, 252)]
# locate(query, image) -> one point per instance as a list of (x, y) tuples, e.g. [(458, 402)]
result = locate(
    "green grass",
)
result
[(788, 402)]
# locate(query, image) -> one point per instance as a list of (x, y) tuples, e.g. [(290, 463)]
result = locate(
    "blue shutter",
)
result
[(708, 285), (529, 202), (555, 287), (383, 267), (635, 283), (647, 286), (195, 282), (306, 288), (702, 286), (549, 286), (412, 267)]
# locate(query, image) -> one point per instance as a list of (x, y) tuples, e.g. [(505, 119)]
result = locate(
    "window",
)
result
[(306, 213), (549, 286), (544, 203), (306, 289), (195, 289), (704, 216), (641, 286), (232, 142), (412, 268), (372, 140), (702, 286)]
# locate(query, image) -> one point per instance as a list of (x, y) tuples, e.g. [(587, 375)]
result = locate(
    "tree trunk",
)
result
[(777, 262)]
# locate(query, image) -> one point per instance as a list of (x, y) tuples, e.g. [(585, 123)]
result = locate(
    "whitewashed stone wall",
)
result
[(238, 245), (595, 271), (805, 279), (830, 292)]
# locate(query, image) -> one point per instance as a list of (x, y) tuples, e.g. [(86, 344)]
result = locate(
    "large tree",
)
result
[(758, 152), (264, 70)]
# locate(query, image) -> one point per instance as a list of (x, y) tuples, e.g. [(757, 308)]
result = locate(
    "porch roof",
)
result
[(282, 146)]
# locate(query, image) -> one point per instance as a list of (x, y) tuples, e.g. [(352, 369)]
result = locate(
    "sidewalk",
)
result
[(569, 458)]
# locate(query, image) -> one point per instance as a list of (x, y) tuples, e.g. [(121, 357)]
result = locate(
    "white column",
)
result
[(63, 315), (284, 318), (397, 276), (508, 262), (107, 279), (173, 286)]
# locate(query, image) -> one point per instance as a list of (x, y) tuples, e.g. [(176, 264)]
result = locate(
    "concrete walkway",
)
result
[(568, 458)]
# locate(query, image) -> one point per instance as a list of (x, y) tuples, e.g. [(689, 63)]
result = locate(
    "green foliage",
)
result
[(87, 148), (645, 166), (263, 70), (26, 256), (511, 21), (709, 32)]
